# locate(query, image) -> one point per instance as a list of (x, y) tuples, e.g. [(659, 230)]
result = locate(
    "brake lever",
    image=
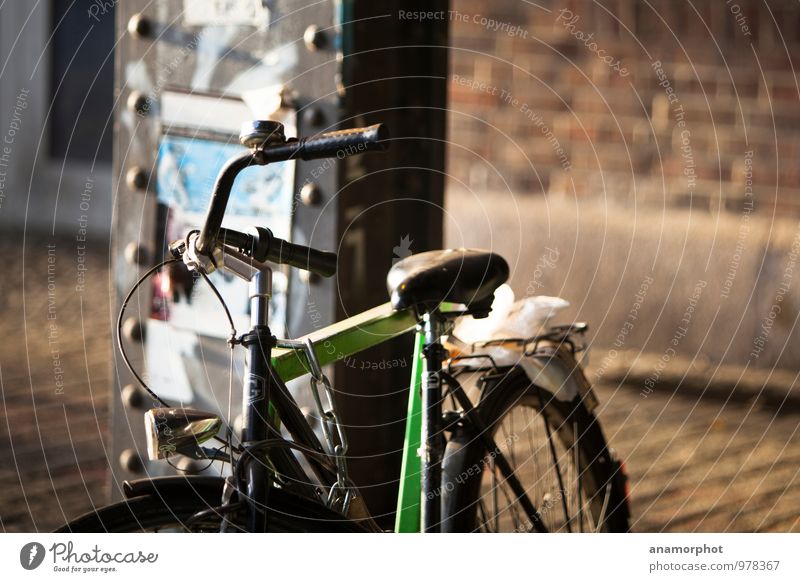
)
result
[(196, 261)]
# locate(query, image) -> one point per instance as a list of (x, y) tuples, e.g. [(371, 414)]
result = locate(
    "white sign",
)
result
[(618, 557), (225, 12)]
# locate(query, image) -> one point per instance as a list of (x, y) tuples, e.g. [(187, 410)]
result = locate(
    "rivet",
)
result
[(136, 254), (139, 26), (131, 461), (138, 103), (314, 38), (310, 194), (133, 396), (133, 330), (191, 466), (136, 178)]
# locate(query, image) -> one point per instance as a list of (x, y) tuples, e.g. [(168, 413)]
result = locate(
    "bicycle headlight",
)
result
[(178, 430)]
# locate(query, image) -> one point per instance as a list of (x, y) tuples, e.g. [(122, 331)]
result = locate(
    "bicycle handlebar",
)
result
[(339, 144), (345, 142), (262, 245)]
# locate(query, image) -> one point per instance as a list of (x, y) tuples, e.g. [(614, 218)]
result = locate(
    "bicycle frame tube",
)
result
[(267, 401), (262, 389), (365, 330), (344, 338), (349, 337), (407, 518), (431, 438), (256, 397)]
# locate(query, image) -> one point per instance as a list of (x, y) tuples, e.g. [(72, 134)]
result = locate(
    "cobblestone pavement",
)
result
[(695, 464), (700, 465), (54, 382)]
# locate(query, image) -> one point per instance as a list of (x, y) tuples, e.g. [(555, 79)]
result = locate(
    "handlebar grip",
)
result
[(320, 262), (262, 245), (345, 142)]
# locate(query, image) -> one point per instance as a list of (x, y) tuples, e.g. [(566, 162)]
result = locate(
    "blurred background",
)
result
[(633, 157)]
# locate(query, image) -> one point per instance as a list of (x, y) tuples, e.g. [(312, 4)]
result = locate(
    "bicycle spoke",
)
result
[(510, 442), (540, 474), (578, 474), (606, 499), (494, 498), (514, 508), (555, 461), (485, 521)]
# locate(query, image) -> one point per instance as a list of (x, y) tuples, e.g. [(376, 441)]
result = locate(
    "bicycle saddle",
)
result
[(465, 276)]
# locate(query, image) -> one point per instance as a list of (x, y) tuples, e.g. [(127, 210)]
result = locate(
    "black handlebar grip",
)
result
[(302, 257), (345, 142), (262, 245)]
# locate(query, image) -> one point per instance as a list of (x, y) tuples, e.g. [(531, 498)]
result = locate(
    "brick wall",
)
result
[(728, 64), (664, 146)]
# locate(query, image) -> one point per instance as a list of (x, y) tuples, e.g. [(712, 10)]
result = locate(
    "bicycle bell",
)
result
[(259, 133)]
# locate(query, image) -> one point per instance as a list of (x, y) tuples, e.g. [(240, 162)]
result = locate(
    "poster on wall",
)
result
[(188, 328)]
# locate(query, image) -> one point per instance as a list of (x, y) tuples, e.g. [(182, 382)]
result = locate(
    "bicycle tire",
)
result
[(287, 513), (467, 462)]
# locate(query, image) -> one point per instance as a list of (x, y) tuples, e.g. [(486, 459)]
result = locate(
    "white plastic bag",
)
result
[(521, 319), (510, 319)]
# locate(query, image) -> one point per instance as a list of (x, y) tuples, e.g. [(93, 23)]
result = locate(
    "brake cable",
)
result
[(121, 345)]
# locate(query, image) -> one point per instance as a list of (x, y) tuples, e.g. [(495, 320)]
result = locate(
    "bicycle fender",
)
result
[(207, 487), (554, 368)]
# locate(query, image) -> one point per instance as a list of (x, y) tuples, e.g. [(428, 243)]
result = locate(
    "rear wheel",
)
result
[(556, 450), (189, 512)]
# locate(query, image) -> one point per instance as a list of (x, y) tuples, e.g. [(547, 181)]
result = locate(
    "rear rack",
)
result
[(557, 346), (560, 334)]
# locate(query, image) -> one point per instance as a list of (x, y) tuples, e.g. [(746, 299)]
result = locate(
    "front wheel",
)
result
[(188, 511), (558, 453)]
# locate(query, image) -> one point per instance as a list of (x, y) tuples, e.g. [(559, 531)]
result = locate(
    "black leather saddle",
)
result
[(465, 276)]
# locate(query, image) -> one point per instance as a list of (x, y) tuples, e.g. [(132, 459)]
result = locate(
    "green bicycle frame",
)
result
[(353, 335)]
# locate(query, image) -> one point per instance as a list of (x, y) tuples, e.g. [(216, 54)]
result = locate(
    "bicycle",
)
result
[(447, 483)]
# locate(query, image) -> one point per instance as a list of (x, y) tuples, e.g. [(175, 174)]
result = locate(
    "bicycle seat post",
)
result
[(432, 438)]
